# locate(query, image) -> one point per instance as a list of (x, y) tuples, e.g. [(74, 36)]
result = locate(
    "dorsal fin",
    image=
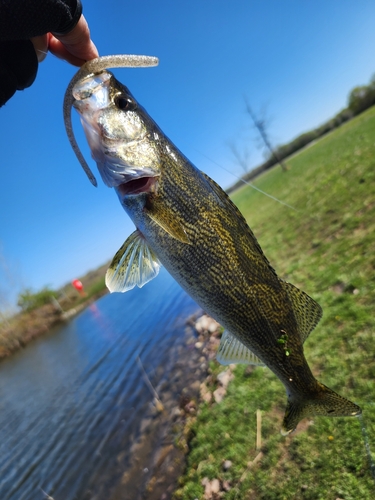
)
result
[(306, 311), (224, 200)]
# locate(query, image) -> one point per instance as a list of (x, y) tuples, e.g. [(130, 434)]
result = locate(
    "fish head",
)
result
[(120, 133)]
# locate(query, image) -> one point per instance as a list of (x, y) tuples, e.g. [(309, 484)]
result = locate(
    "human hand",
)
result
[(76, 47), (18, 49)]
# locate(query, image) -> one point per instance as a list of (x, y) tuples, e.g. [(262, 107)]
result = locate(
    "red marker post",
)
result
[(78, 286)]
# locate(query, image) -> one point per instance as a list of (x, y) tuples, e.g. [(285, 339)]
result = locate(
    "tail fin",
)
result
[(324, 402)]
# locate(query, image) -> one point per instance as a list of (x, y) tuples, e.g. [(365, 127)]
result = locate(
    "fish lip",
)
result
[(136, 186)]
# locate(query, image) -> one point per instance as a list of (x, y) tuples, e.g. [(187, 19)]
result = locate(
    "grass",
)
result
[(326, 247)]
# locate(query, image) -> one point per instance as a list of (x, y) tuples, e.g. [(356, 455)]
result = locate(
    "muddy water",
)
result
[(74, 403)]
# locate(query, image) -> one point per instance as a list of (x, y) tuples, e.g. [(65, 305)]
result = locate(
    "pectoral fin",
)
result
[(134, 264), (231, 350), (169, 221)]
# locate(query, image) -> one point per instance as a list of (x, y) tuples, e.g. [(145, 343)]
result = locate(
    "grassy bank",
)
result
[(326, 246)]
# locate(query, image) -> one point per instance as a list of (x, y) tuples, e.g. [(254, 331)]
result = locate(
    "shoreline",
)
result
[(163, 443), (23, 328)]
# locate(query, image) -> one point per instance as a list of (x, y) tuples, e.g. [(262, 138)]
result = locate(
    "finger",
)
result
[(41, 46), (78, 42), (59, 50)]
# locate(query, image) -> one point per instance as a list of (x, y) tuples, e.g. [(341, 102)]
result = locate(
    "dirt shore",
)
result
[(27, 326)]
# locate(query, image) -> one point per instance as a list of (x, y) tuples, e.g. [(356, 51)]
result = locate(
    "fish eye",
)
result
[(124, 103)]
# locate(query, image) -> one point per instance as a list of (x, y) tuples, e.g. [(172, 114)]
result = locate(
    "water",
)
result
[(72, 402)]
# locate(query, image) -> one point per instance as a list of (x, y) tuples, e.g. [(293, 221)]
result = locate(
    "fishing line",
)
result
[(367, 446), (248, 183)]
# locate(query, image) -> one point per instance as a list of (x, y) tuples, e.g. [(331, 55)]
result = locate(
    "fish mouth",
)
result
[(137, 186)]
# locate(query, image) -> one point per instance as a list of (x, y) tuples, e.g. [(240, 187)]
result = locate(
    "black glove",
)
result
[(21, 20)]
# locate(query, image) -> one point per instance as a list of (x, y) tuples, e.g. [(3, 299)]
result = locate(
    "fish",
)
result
[(187, 223)]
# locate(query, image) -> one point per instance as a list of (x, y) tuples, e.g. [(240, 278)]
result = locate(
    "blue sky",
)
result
[(300, 59)]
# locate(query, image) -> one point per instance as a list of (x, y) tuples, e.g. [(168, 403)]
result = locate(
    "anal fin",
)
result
[(134, 264), (231, 350)]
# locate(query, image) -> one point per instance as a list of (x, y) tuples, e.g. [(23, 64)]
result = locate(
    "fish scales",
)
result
[(186, 222), (235, 283)]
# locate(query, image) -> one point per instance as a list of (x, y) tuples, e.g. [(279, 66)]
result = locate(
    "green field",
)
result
[(326, 246)]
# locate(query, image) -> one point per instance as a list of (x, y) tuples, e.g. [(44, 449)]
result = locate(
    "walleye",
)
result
[(186, 222)]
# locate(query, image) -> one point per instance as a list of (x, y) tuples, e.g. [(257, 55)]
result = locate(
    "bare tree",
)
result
[(261, 125), (241, 157)]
